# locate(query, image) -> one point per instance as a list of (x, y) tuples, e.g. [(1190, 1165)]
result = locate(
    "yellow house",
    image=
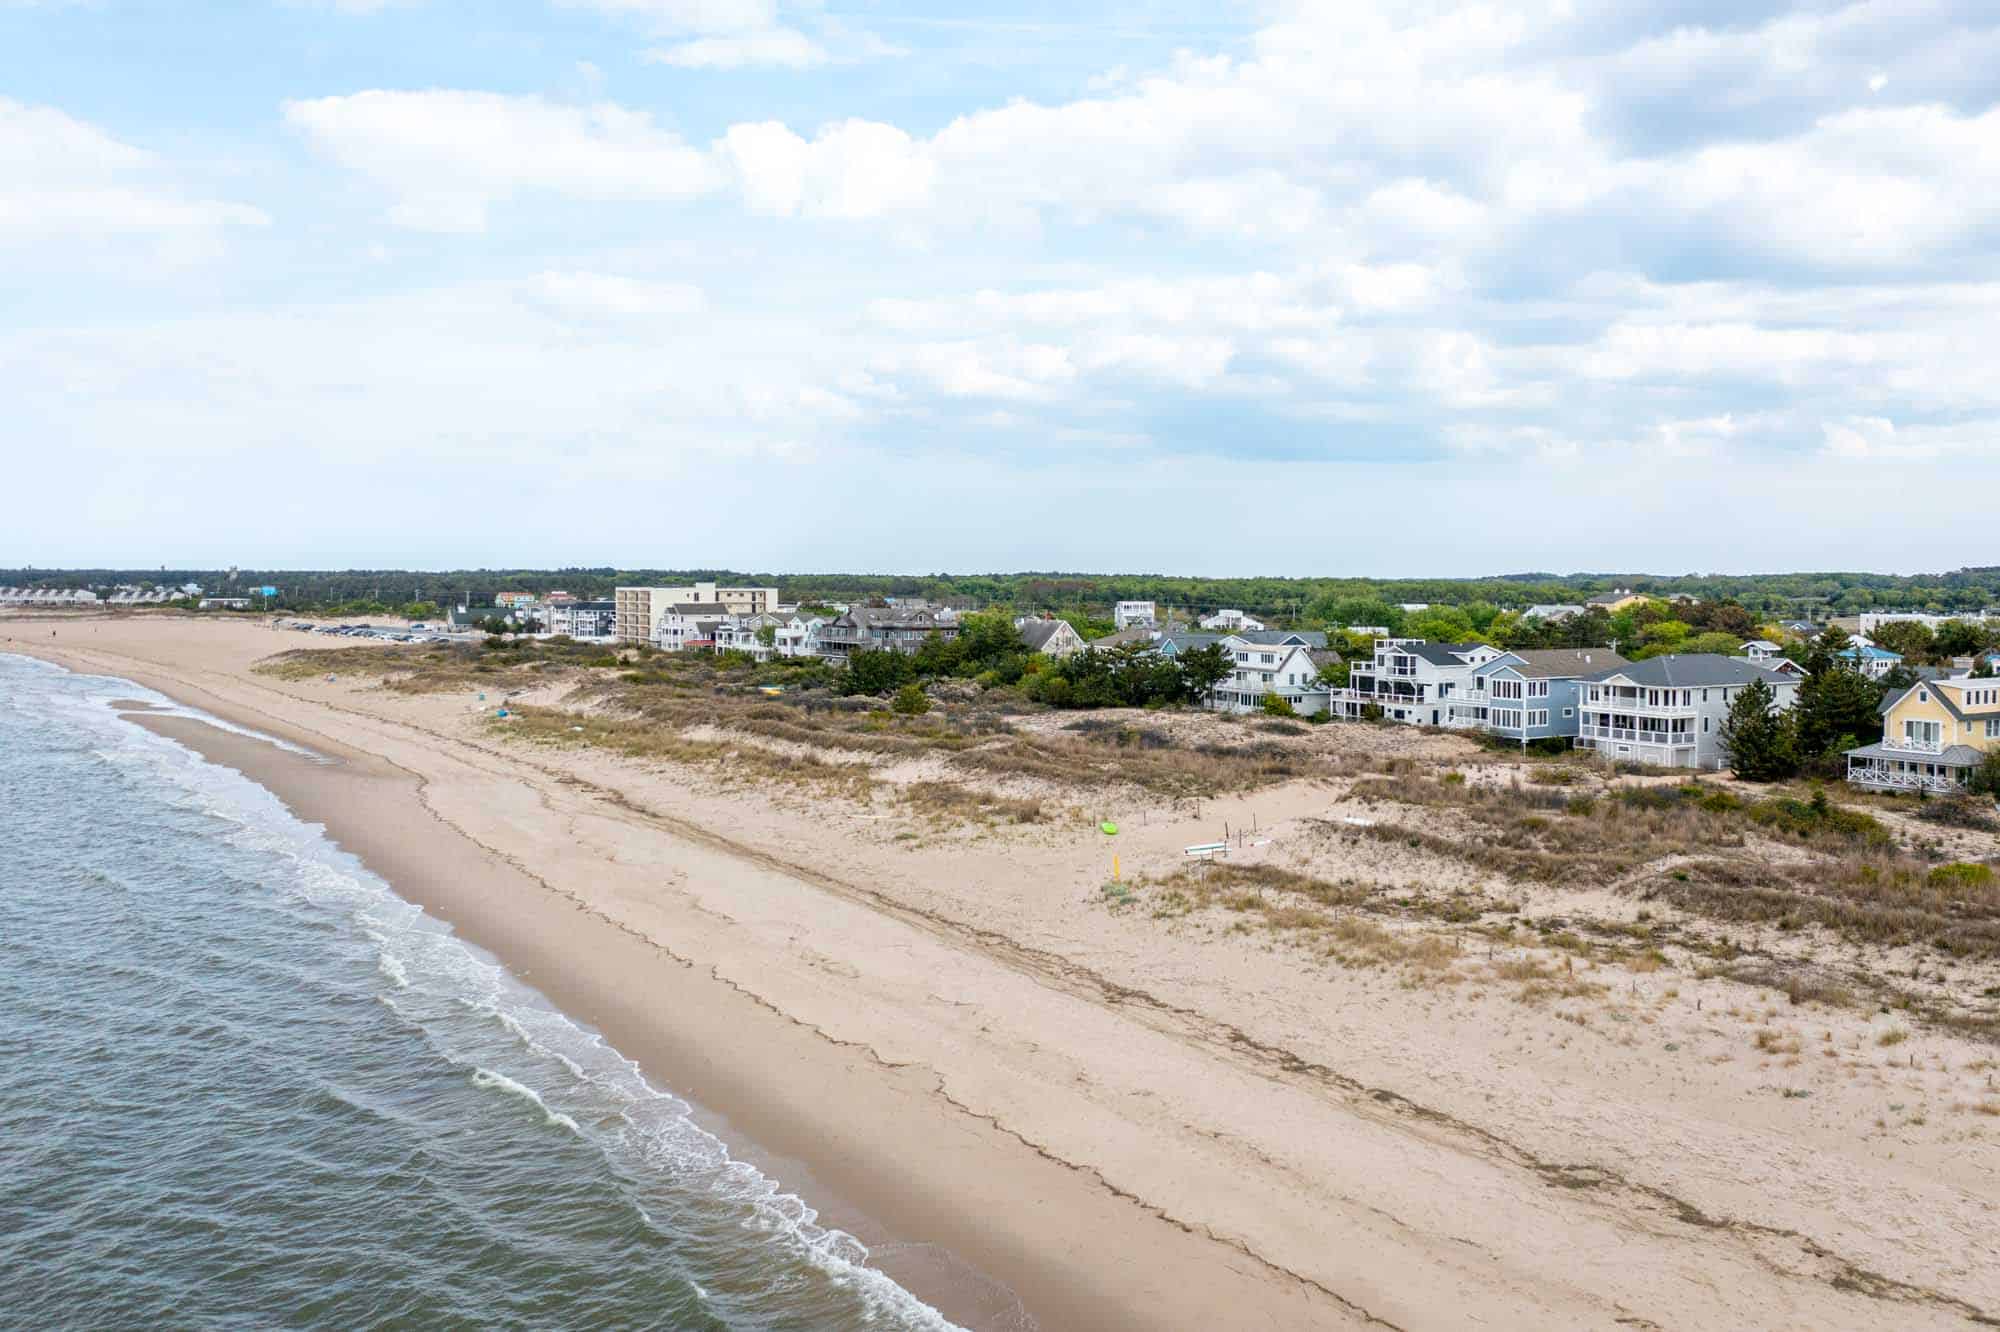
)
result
[(1933, 735), (1617, 600)]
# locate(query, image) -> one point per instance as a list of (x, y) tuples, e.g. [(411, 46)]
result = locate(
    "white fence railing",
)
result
[(1682, 739), (1894, 779)]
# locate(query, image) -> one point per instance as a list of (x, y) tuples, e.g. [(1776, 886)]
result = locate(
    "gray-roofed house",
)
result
[(884, 629), (1668, 711), (1051, 638), (1551, 611), (1529, 693), (1411, 680), (1312, 638)]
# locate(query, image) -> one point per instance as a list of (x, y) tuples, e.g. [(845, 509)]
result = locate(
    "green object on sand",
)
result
[(1110, 829)]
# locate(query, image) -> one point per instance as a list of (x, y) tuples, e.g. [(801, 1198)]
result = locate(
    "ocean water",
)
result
[(243, 1085)]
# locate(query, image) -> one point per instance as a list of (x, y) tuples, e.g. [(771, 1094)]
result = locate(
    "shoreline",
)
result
[(955, 1208)]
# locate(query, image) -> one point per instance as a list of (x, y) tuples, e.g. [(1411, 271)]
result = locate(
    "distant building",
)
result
[(1130, 614), (1050, 638), (640, 609), (583, 619), (1617, 600), (510, 600), (1229, 621), (1552, 611), (1871, 661), (1761, 650), (223, 603), (1669, 710), (689, 626)]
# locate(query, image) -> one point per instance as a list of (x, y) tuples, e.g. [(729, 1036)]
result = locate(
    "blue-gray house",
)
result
[(1528, 694)]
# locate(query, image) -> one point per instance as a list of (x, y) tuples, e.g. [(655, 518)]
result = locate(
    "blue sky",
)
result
[(1230, 288)]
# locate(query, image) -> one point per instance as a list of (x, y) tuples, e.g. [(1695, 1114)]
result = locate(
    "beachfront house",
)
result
[(1668, 711), (797, 637), (1529, 693), (1934, 735), (1288, 670), (884, 629), (689, 627), (1049, 637), (1410, 680)]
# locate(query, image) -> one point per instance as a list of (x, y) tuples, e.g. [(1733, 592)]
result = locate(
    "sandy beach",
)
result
[(1120, 1119)]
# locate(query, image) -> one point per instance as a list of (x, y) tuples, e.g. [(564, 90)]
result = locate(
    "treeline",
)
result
[(1309, 602)]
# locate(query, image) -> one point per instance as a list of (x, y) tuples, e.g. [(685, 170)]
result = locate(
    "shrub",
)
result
[(1277, 705), (911, 700), (1961, 875)]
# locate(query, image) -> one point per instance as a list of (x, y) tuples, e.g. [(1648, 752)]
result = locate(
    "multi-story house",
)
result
[(1289, 670), (884, 628), (1934, 734), (1133, 614), (1230, 621), (1412, 681), (583, 619), (1669, 711), (1529, 693), (640, 609), (689, 626), (742, 633), (798, 637), (1760, 650), (1551, 611)]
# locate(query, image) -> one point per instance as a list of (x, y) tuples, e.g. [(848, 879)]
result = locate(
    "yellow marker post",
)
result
[(1114, 869)]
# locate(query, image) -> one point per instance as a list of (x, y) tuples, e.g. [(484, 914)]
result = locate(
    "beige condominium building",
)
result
[(640, 609)]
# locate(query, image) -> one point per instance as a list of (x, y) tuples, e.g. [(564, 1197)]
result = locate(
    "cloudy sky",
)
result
[(1191, 286)]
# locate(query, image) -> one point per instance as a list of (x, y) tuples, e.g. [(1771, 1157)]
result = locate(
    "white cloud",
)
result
[(447, 156), (853, 169), (784, 48), (60, 176)]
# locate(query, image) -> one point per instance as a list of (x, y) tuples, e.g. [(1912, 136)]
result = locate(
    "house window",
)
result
[(1569, 712), (1993, 730), (1926, 732)]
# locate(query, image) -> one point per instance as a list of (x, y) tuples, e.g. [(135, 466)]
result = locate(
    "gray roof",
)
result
[(1954, 756), (1136, 634), (1184, 642), (1551, 610), (1692, 669), (1439, 654), (1563, 663), (1037, 633), (1275, 637)]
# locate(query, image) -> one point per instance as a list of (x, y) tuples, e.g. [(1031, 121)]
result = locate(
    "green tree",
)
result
[(1277, 705), (1910, 639), (1756, 738), (1202, 669), (1985, 779), (767, 634), (911, 700), (876, 672), (1836, 704)]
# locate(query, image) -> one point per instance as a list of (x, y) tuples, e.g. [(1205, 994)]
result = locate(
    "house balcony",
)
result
[(1632, 735), (1911, 745)]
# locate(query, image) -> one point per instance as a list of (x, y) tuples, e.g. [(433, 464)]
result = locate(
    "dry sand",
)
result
[(1134, 1122)]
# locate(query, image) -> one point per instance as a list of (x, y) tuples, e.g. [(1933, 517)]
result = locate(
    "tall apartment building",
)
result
[(640, 609)]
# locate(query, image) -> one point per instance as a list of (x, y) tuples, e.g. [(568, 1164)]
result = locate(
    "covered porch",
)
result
[(1881, 767)]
